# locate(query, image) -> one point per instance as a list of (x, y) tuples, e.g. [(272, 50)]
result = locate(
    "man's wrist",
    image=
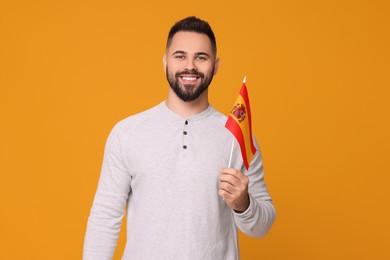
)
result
[(244, 208)]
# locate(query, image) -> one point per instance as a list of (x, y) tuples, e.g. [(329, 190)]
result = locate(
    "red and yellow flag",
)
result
[(240, 124)]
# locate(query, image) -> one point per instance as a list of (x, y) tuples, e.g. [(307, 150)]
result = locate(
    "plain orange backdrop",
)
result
[(318, 79)]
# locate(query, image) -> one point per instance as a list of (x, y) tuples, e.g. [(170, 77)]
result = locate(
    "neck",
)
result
[(187, 109)]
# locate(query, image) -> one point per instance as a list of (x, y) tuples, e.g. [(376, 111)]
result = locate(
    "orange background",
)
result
[(318, 80)]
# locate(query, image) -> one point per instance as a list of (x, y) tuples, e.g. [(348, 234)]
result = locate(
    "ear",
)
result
[(165, 62), (216, 65)]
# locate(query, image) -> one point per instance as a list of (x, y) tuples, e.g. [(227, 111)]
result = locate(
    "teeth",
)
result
[(189, 78)]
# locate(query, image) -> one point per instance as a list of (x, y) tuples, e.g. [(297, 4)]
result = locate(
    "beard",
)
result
[(189, 92)]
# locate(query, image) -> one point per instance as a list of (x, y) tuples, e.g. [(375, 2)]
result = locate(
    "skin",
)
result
[(192, 51)]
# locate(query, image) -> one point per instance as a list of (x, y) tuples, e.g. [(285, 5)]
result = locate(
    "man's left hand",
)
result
[(233, 188)]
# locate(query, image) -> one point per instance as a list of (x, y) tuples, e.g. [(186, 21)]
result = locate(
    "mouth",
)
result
[(189, 79)]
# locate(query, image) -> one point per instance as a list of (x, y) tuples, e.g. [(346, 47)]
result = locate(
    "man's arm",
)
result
[(246, 193), (105, 218)]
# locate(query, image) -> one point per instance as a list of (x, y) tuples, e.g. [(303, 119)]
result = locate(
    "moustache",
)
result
[(189, 72)]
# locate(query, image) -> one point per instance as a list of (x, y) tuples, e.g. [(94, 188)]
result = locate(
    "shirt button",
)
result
[(184, 146), (186, 122), (185, 132)]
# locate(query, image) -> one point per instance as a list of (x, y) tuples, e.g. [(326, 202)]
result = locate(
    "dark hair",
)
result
[(193, 24)]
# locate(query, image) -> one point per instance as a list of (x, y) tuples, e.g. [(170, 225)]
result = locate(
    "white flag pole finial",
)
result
[(244, 79)]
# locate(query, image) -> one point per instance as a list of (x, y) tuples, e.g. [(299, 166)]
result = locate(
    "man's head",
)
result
[(190, 59)]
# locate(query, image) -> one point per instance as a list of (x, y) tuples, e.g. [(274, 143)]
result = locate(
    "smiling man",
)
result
[(166, 166)]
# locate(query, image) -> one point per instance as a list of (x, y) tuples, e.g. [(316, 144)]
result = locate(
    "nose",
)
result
[(190, 65)]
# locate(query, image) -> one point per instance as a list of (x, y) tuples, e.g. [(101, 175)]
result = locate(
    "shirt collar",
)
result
[(205, 113)]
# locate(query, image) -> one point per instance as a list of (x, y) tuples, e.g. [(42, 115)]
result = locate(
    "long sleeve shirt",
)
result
[(163, 170)]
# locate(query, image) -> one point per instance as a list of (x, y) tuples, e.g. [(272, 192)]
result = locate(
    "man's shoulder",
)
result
[(138, 119), (218, 117)]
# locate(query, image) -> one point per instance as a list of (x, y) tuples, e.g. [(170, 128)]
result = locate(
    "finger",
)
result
[(224, 195), (240, 178), (230, 179), (232, 172), (227, 187), (236, 181), (228, 170)]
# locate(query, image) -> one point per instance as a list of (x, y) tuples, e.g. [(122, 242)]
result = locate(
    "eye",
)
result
[(180, 57), (201, 58)]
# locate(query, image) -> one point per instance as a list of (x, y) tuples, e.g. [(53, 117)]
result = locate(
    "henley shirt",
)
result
[(164, 169)]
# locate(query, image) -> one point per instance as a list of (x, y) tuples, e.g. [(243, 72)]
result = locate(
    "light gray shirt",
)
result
[(164, 169)]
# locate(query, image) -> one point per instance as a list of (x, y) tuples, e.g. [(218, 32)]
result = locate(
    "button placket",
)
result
[(185, 133)]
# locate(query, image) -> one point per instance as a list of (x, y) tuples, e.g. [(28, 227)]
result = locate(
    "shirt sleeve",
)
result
[(257, 220), (107, 211)]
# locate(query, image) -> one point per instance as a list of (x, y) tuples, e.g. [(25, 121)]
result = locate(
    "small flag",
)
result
[(240, 124)]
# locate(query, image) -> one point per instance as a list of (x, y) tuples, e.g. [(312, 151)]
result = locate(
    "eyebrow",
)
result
[(179, 52)]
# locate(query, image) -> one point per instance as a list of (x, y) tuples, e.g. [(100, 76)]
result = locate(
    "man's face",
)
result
[(190, 64)]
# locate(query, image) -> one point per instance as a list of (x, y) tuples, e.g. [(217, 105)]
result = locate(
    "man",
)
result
[(165, 164)]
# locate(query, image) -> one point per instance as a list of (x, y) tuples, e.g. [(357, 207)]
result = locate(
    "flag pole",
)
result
[(231, 153)]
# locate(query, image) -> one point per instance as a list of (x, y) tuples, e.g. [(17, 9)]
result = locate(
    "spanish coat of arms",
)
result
[(239, 112)]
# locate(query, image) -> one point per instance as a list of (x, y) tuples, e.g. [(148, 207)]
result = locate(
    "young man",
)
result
[(166, 165)]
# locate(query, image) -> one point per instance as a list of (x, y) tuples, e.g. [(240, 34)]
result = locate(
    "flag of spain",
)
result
[(240, 124)]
